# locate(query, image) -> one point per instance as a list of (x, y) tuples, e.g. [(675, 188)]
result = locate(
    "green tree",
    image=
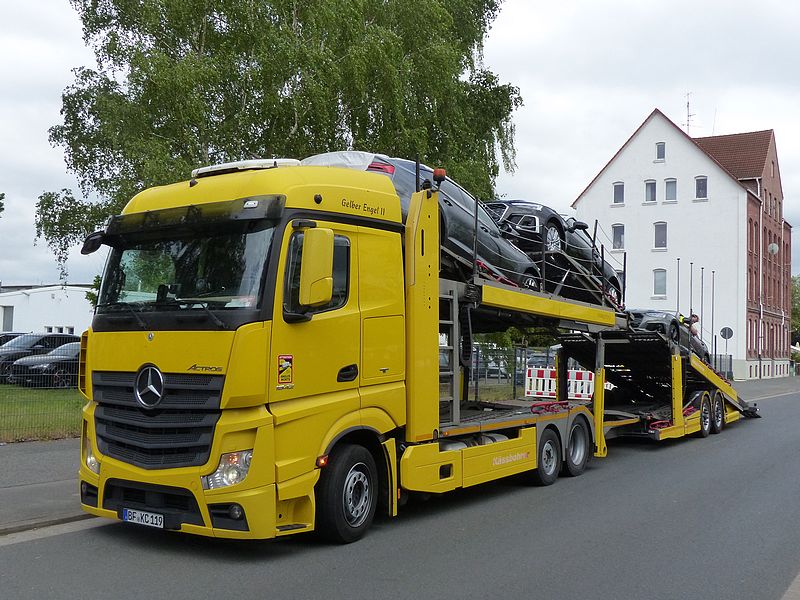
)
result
[(94, 291), (183, 83), (2, 197)]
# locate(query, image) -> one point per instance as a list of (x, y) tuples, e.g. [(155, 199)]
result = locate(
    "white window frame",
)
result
[(621, 185), (656, 293), (663, 147), (696, 182), (650, 184), (673, 181), (614, 237), (655, 236)]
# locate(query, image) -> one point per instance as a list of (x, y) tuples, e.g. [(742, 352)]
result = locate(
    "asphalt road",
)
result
[(697, 518)]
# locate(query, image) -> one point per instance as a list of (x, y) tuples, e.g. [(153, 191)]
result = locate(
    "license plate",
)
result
[(142, 518)]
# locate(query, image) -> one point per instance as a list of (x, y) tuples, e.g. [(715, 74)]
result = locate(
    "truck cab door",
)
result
[(316, 351)]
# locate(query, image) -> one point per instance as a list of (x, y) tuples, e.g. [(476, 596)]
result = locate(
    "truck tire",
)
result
[(705, 415), (577, 449), (717, 412), (548, 460), (348, 495)]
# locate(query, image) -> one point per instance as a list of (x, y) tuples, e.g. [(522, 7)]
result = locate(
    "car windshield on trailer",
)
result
[(22, 342), (69, 350)]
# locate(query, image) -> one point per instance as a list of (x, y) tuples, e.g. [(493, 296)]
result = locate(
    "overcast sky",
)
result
[(589, 73)]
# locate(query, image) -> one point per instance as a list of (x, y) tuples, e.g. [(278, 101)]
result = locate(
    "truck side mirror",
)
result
[(316, 270), (92, 242)]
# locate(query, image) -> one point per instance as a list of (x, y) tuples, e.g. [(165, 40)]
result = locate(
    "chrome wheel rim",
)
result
[(577, 446), (549, 458), (357, 495), (719, 413), (705, 416), (552, 239)]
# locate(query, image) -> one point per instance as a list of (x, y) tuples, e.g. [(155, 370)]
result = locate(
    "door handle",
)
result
[(348, 373), (484, 229), (446, 201)]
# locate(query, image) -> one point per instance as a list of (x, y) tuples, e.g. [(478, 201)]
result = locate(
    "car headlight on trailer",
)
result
[(232, 469)]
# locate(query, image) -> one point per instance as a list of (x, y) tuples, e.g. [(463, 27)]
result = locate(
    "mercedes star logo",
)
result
[(149, 387)]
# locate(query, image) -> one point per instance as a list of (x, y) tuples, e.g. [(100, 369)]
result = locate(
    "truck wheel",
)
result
[(348, 494), (548, 460), (705, 415), (718, 412), (577, 449)]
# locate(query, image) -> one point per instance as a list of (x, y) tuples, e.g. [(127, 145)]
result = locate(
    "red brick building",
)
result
[(752, 159)]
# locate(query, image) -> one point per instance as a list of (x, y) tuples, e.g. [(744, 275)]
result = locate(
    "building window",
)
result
[(701, 187), (649, 191), (70, 330), (660, 239), (670, 190), (772, 169), (659, 282), (618, 236), (661, 150), (619, 193)]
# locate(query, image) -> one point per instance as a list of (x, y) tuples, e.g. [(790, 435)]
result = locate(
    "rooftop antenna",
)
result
[(689, 114)]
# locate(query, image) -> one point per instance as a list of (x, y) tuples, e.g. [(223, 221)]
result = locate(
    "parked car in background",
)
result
[(534, 227), (30, 344), (7, 336), (500, 259), (669, 324), (56, 369)]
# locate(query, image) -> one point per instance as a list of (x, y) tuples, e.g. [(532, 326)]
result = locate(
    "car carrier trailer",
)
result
[(307, 404)]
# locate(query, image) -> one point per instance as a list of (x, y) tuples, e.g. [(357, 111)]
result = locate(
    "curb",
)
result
[(41, 523)]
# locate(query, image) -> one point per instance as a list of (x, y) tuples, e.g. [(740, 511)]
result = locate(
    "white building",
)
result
[(681, 207), (46, 309)]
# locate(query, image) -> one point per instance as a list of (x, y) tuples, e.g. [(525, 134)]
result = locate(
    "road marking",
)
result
[(54, 530), (773, 396)]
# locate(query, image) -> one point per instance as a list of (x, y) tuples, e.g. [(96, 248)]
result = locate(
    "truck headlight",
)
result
[(232, 469), (89, 459)]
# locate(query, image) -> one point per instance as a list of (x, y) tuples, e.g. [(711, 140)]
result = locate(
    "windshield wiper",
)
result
[(204, 305), (127, 305)]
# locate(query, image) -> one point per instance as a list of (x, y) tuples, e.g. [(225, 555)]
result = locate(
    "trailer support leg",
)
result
[(598, 399)]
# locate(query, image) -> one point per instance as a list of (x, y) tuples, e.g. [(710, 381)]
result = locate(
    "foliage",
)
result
[(2, 197), (94, 292), (184, 83)]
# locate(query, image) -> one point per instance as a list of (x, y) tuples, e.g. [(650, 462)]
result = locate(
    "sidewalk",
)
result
[(40, 486)]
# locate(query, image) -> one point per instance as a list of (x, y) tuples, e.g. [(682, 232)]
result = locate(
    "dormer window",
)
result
[(661, 150)]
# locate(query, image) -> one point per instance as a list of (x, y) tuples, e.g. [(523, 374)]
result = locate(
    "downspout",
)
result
[(760, 276)]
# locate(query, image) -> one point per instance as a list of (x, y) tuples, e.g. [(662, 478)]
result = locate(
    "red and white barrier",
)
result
[(541, 383)]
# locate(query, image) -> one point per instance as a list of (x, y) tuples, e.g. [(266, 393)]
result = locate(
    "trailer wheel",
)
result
[(548, 460), (718, 412), (348, 494), (577, 449), (705, 415)]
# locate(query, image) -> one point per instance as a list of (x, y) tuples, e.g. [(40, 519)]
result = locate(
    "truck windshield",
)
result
[(219, 268)]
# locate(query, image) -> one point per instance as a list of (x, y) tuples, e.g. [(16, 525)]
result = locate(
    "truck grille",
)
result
[(176, 433)]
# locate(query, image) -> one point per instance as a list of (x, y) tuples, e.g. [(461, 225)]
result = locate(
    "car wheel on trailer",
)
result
[(347, 494), (718, 412), (553, 239), (531, 281), (705, 415), (674, 333), (577, 449), (548, 459)]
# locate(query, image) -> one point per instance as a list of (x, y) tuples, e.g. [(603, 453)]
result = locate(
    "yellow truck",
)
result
[(264, 360)]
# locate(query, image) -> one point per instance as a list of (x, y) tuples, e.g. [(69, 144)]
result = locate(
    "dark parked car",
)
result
[(56, 369), (499, 258), (575, 267), (7, 336), (668, 323), (30, 344)]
